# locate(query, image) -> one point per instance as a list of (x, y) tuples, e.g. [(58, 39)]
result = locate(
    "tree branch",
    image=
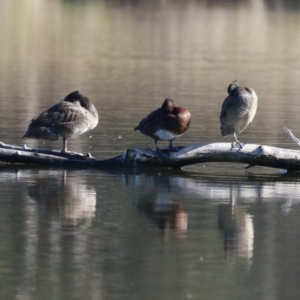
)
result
[(253, 155)]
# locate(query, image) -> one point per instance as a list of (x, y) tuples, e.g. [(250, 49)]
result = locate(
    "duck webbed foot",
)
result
[(237, 145), (237, 142), (162, 154)]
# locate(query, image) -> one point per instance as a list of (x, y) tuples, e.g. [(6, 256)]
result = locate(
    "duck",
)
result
[(70, 117), (165, 123), (238, 110)]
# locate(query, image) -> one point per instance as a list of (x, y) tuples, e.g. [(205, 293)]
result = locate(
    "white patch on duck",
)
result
[(165, 135)]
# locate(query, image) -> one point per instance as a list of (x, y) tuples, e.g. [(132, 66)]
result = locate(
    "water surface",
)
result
[(209, 231)]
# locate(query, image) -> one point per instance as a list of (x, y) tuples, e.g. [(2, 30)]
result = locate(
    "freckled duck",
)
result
[(165, 123), (238, 110), (70, 117)]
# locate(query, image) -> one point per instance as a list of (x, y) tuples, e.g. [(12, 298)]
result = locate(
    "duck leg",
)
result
[(161, 156), (237, 141), (64, 145), (171, 148)]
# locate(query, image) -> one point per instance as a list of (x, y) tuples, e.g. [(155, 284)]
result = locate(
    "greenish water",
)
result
[(212, 231)]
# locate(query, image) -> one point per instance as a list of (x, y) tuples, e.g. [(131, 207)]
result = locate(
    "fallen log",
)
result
[(177, 157)]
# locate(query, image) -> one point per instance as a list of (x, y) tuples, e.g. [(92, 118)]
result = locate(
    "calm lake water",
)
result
[(212, 231)]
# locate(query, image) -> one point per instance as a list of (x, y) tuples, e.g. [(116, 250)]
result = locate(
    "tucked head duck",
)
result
[(166, 123), (70, 117), (238, 110)]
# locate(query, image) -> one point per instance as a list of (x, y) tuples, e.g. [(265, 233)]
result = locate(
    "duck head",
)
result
[(168, 106), (232, 86)]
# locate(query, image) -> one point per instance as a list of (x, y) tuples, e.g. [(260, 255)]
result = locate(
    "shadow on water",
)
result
[(71, 200), (183, 206), (275, 5), (201, 233), (161, 195), (166, 198), (272, 5)]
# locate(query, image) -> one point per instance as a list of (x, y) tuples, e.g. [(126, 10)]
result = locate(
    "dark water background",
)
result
[(207, 232)]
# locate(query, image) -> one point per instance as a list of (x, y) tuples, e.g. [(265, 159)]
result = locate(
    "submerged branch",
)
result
[(296, 140), (177, 157)]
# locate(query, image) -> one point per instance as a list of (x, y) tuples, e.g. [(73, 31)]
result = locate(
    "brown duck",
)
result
[(70, 117), (165, 123)]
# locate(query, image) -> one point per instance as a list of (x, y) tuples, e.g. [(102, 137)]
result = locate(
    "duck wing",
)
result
[(64, 119), (151, 122)]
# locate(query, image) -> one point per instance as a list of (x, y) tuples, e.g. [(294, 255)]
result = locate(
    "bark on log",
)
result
[(177, 157)]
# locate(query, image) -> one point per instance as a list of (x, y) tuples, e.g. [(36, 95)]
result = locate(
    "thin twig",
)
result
[(297, 141)]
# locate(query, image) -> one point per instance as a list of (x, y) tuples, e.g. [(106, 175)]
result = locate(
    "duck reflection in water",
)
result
[(165, 123), (71, 200), (238, 230), (163, 212), (172, 216)]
